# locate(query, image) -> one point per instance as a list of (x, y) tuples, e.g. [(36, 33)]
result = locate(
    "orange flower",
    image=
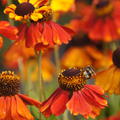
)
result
[(80, 57), (102, 21), (12, 104), (47, 33), (15, 53), (7, 30), (40, 29), (109, 79), (75, 95)]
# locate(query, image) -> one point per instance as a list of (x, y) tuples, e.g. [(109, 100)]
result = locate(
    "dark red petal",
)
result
[(33, 36), (29, 100), (59, 104), (22, 31), (46, 105)]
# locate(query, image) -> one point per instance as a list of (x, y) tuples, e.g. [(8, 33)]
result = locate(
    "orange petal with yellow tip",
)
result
[(47, 35), (22, 109), (97, 98)]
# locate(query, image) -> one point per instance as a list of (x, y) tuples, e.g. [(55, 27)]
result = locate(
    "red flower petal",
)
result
[(8, 31), (96, 30), (22, 109), (59, 104), (96, 98), (62, 36), (33, 35), (2, 108), (96, 89), (8, 107), (78, 104), (29, 101), (47, 35), (55, 104)]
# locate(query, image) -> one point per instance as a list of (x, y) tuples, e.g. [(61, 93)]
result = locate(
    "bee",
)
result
[(88, 72)]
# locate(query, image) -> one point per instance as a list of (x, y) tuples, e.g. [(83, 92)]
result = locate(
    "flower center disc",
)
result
[(102, 4), (9, 84), (71, 72), (24, 9), (71, 79), (116, 57), (103, 8)]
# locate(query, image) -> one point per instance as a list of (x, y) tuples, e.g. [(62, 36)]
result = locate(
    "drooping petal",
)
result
[(22, 109), (2, 108), (29, 100), (78, 105), (96, 30), (14, 113), (33, 35), (48, 107), (59, 104), (97, 97), (47, 35), (8, 107)]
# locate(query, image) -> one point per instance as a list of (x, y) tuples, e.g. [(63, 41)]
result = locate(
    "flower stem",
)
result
[(40, 78), (57, 59), (21, 67)]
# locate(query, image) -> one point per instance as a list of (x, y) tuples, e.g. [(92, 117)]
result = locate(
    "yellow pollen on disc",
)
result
[(72, 79)]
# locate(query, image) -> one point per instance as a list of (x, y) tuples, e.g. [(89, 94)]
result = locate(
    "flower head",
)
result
[(75, 95), (12, 103), (101, 22), (109, 79), (47, 33), (28, 9), (83, 56)]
